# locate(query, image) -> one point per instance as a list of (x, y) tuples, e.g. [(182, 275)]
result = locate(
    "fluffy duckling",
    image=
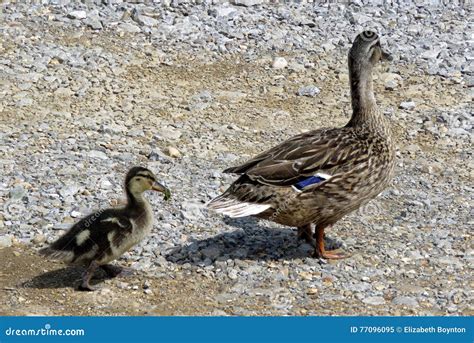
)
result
[(105, 235)]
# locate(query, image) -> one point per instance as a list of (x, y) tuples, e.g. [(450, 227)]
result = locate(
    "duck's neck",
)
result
[(135, 201), (364, 108)]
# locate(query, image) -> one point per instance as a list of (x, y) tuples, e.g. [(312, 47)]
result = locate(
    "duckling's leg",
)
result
[(87, 276), (320, 250), (305, 232)]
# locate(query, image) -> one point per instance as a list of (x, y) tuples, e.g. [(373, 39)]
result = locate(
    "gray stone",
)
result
[(310, 91), (404, 300), (77, 14), (17, 193), (5, 241), (279, 63), (129, 28), (374, 301), (407, 105), (246, 3), (94, 23)]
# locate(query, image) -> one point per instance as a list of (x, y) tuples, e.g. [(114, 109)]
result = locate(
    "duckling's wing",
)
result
[(90, 237), (302, 156)]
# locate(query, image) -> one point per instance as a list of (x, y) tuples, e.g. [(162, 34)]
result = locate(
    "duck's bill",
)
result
[(160, 188), (386, 56)]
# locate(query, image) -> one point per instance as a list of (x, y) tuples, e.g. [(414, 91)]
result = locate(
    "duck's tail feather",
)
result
[(235, 208)]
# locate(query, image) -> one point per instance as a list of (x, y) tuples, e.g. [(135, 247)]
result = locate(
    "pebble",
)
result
[(279, 63), (173, 152), (5, 241), (374, 300), (407, 105), (310, 91), (77, 14), (407, 301)]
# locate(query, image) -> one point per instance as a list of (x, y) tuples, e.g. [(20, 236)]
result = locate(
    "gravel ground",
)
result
[(89, 90)]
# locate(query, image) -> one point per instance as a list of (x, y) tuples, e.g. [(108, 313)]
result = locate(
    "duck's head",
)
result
[(366, 50), (139, 180)]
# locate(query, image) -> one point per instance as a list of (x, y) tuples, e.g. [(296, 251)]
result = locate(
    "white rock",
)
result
[(173, 152), (374, 301), (77, 14), (97, 154), (5, 241), (246, 3), (279, 63), (129, 28), (407, 105)]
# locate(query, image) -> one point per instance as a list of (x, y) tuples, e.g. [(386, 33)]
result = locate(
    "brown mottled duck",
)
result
[(318, 177)]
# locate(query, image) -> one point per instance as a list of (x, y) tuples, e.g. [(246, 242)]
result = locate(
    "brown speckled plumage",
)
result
[(359, 158)]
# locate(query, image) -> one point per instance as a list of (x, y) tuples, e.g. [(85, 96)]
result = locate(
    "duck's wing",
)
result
[(305, 160), (302, 156), (90, 236)]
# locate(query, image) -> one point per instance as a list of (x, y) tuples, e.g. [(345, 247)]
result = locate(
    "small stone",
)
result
[(430, 54), (5, 241), (94, 23), (77, 14), (173, 152), (144, 20), (129, 28), (17, 193), (39, 239), (246, 3), (374, 301), (312, 291), (76, 214), (97, 154), (407, 301), (148, 291), (310, 91), (279, 63), (24, 102), (232, 273), (407, 105)]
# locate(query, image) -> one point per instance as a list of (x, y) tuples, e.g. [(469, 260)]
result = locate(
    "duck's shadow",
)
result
[(251, 240), (62, 278)]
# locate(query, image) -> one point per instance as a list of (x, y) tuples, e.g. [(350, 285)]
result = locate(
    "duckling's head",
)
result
[(139, 180), (366, 50)]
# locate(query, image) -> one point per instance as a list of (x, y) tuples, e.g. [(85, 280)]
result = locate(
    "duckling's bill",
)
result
[(160, 188)]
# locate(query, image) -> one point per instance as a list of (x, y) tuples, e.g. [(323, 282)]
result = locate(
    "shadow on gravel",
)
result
[(251, 241), (61, 278)]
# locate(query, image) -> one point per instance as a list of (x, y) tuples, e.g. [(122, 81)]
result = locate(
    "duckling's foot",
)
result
[(111, 270), (87, 287), (304, 232), (320, 250), (87, 276)]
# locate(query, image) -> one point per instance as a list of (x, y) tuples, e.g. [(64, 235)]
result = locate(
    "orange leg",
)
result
[(320, 251)]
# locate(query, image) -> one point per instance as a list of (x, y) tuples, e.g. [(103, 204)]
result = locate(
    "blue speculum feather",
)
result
[(311, 180)]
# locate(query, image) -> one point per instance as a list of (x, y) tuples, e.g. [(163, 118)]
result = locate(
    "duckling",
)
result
[(105, 235), (318, 177)]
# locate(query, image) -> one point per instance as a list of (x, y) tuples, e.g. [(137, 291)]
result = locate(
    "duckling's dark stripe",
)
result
[(146, 176)]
